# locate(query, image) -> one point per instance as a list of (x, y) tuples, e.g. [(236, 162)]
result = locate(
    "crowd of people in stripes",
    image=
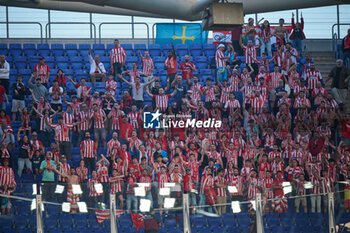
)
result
[(277, 125)]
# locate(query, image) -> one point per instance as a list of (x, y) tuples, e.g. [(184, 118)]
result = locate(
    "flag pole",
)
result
[(186, 213), (112, 205)]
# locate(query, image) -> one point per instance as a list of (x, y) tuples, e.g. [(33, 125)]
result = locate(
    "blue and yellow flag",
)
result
[(181, 33)]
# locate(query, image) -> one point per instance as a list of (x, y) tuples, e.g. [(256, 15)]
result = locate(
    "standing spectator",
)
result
[(133, 73), (18, 94), (111, 85), (44, 128), (131, 199), (250, 31), (25, 154), (126, 100), (232, 57), (187, 68), (47, 169), (95, 197), (4, 72), (235, 36), (250, 53), (100, 118), (61, 78), (346, 130), (97, 69), (118, 58), (5, 201), (2, 95), (3, 115), (7, 176), (312, 76), (62, 135), (137, 92), (39, 90), (297, 35), (346, 48), (162, 100), (56, 92), (42, 71), (147, 65), (82, 173), (266, 34), (88, 151), (170, 64), (107, 105), (221, 186), (64, 169), (6, 135), (281, 33), (220, 59), (340, 76)]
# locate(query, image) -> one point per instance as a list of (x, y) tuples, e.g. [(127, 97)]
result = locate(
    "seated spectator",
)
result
[(97, 69), (61, 78)]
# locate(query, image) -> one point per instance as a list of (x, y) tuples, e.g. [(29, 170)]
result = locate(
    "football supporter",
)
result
[(42, 71), (118, 58), (97, 69)]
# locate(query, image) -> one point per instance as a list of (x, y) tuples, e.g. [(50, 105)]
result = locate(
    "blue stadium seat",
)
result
[(140, 47), (99, 53), (20, 65), (131, 59), (127, 46), (61, 59), (159, 59), (181, 49), (84, 46), (98, 47), (201, 65), (15, 46), (182, 59), (154, 50), (25, 71), (196, 49), (77, 66), (76, 59), (16, 52), (3, 46), (62, 65), (110, 47)]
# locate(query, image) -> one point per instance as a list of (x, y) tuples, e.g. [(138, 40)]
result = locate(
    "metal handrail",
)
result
[(155, 24), (47, 25), (131, 23), (336, 37), (35, 23)]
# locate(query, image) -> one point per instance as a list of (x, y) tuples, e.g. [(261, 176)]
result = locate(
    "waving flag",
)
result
[(181, 33), (102, 215), (138, 220)]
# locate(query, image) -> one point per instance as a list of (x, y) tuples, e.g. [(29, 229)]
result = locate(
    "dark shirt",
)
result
[(21, 91), (297, 34), (23, 150), (107, 105), (151, 223)]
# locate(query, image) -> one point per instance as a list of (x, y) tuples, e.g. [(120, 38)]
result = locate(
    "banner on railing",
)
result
[(181, 33)]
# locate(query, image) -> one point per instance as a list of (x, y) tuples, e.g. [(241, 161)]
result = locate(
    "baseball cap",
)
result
[(221, 45)]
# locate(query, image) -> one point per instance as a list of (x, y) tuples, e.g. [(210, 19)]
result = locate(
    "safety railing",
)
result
[(48, 35), (34, 23), (336, 36), (122, 23)]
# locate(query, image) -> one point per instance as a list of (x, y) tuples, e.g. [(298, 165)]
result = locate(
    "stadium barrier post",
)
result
[(331, 222), (186, 213), (39, 215), (258, 214), (112, 205)]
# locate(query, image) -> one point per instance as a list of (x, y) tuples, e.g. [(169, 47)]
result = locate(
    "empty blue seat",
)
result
[(16, 53), (104, 59), (98, 47), (127, 46), (29, 46), (84, 46), (56, 46), (205, 72), (20, 66), (3, 46), (15, 46), (20, 59), (43, 47), (131, 59), (77, 66), (99, 53), (71, 46), (110, 47), (140, 47), (62, 65), (61, 59), (159, 59), (76, 59), (25, 71), (154, 50)]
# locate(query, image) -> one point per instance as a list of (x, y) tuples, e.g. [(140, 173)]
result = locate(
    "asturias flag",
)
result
[(181, 33)]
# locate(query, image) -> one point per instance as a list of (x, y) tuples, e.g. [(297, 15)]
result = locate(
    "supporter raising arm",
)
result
[(162, 100)]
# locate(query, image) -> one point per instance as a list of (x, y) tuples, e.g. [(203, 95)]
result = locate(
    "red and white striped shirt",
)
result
[(133, 74), (234, 82), (116, 187), (82, 177), (67, 118), (315, 185), (312, 78), (301, 191), (62, 132), (118, 54), (91, 183), (88, 147), (6, 176), (249, 52), (221, 192), (84, 121), (253, 187), (274, 79), (37, 144), (162, 101), (219, 62), (64, 168), (209, 93), (232, 105), (257, 103), (235, 181), (225, 94), (134, 118), (43, 125), (273, 155), (102, 170), (206, 181), (195, 93), (267, 185), (111, 87), (146, 179), (113, 145), (99, 118), (147, 65), (162, 179), (326, 183)]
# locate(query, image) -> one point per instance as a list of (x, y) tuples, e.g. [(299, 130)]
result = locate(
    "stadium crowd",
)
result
[(279, 124)]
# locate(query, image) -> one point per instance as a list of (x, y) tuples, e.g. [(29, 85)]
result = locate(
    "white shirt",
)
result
[(93, 67), (56, 99), (5, 71)]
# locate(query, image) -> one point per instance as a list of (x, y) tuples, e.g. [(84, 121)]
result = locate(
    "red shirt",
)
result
[(123, 127), (345, 129), (171, 63), (186, 69), (42, 72), (2, 92)]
